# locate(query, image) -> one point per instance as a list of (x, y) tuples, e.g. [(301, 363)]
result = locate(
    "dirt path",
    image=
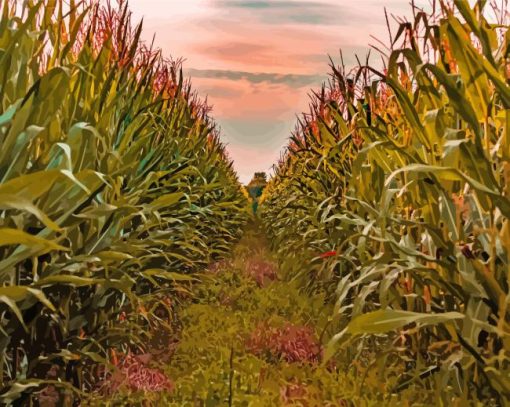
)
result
[(250, 338)]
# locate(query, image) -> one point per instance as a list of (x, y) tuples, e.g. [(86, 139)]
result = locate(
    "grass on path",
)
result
[(248, 338)]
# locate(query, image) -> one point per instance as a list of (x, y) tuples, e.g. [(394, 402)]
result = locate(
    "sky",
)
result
[(257, 61)]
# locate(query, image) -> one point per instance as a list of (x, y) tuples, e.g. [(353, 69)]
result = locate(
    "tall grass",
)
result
[(394, 192), (114, 187)]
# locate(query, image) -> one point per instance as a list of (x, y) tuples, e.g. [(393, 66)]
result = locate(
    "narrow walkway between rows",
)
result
[(249, 338)]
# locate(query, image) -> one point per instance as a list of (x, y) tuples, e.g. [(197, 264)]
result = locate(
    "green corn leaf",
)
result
[(386, 320), (168, 275)]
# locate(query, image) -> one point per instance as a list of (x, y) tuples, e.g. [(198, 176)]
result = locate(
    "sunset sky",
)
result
[(258, 60)]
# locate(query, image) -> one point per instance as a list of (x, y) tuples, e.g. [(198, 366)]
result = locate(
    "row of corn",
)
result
[(114, 189), (393, 197)]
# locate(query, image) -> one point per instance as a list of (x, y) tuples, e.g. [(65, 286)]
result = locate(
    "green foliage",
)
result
[(393, 199), (114, 187)]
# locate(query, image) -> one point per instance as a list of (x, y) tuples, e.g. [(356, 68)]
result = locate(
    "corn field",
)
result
[(114, 191), (395, 190), (123, 281)]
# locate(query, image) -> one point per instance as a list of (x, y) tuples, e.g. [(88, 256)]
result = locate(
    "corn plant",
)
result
[(394, 191), (114, 189)]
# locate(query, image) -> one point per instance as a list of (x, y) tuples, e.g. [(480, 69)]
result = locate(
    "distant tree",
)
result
[(260, 176), (256, 186)]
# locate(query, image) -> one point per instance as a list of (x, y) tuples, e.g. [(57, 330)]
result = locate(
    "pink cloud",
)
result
[(243, 99)]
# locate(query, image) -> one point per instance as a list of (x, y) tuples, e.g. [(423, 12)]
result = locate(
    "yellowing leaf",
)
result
[(11, 201), (10, 236)]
